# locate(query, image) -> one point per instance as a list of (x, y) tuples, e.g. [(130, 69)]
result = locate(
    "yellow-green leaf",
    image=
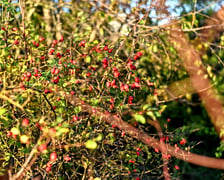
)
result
[(91, 144), (140, 118), (2, 111)]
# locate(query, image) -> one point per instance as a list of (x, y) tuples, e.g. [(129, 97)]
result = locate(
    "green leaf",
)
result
[(151, 114), (146, 106), (77, 109), (157, 114), (140, 118), (95, 102), (88, 59), (91, 144), (99, 137), (142, 22), (2, 111)]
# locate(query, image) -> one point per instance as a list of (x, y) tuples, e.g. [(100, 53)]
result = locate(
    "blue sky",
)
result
[(175, 12)]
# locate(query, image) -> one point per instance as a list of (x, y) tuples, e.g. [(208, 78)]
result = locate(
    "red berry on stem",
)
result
[(75, 118), (53, 156), (116, 74), (88, 74), (67, 158), (110, 50), (114, 69), (113, 82), (82, 43), (42, 147), (14, 29), (41, 38), (137, 79), (72, 92), (9, 134), (25, 122), (105, 61), (183, 141), (139, 54), (135, 57), (108, 84), (48, 169), (105, 48)]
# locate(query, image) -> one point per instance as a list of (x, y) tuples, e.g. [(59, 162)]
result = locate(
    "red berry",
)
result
[(67, 158), (75, 118), (36, 70), (108, 84), (72, 92), (28, 74), (105, 48), (14, 29), (41, 38), (135, 57), (56, 71), (88, 74), (113, 82), (183, 141), (114, 69), (111, 106), (121, 87), (82, 43), (110, 50), (42, 147), (9, 134), (104, 61), (55, 41), (111, 100), (46, 91), (113, 126), (156, 150), (53, 156), (139, 54), (90, 88), (126, 87), (25, 122), (48, 169), (16, 42), (137, 79), (116, 74)]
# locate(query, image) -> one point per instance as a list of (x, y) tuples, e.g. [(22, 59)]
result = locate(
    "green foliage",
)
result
[(126, 73)]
